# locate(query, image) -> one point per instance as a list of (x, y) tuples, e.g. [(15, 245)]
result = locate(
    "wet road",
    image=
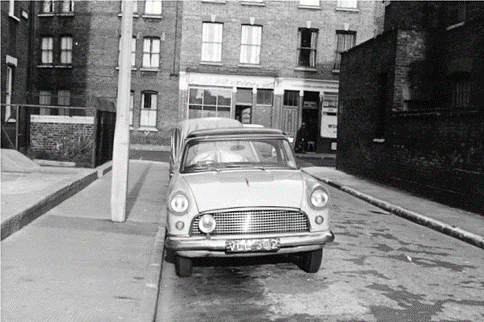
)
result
[(380, 268)]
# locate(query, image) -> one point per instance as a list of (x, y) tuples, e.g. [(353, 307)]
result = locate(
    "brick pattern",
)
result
[(433, 150)]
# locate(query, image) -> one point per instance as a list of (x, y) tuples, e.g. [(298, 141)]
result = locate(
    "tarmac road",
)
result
[(380, 268)]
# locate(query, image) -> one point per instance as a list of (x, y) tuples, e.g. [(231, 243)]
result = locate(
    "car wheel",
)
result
[(183, 266), (311, 261)]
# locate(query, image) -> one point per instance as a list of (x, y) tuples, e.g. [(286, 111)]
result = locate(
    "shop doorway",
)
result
[(310, 116)]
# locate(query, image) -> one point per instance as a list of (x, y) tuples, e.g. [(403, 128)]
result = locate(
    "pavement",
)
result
[(63, 259)]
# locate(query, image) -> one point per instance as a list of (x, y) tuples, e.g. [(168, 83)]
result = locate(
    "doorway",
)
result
[(310, 116)]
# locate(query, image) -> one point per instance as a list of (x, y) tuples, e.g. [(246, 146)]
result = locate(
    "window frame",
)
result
[(153, 56), (216, 42), (66, 53), (133, 51), (8, 93), (257, 45), (48, 51), (346, 4), (146, 113), (314, 33), (339, 50), (218, 107), (70, 6), (48, 4), (151, 8)]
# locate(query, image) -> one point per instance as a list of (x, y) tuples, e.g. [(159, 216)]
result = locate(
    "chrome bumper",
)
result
[(216, 245)]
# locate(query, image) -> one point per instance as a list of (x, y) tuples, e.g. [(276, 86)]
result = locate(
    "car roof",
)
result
[(188, 126), (241, 131)]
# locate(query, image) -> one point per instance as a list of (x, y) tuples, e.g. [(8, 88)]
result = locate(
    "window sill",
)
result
[(380, 141), (242, 65), (152, 16), (305, 69), (145, 128), (66, 14), (253, 3), (457, 25), (348, 9), (46, 14), (149, 69), (14, 17), (63, 66), (133, 68), (335, 71), (45, 66), (211, 63), (215, 1), (309, 7), (135, 15)]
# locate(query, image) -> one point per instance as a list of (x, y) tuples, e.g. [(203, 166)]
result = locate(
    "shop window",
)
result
[(291, 98), (207, 102), (264, 97)]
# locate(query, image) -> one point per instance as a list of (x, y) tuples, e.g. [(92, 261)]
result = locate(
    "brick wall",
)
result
[(62, 138), (435, 151)]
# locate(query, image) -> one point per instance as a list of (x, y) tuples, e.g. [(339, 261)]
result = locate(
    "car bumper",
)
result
[(216, 246)]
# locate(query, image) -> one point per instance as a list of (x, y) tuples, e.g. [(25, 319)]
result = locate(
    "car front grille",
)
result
[(255, 222)]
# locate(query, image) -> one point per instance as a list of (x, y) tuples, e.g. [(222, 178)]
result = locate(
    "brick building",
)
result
[(15, 66), (76, 51), (411, 110), (274, 63)]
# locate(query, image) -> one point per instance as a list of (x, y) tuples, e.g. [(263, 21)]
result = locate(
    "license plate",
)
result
[(252, 245)]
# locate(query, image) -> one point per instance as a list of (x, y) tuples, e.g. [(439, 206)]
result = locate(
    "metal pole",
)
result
[(119, 187)]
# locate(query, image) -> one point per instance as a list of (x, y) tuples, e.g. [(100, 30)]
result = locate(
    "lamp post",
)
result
[(119, 187)]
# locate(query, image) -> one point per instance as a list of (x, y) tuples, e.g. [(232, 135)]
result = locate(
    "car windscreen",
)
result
[(218, 154)]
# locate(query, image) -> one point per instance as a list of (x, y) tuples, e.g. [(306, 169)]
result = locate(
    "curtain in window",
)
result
[(153, 7), (251, 44), (151, 52), (67, 6), (66, 50), (344, 41), (48, 6), (47, 50), (212, 42)]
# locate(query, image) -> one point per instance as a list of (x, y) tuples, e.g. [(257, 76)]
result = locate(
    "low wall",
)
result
[(62, 138)]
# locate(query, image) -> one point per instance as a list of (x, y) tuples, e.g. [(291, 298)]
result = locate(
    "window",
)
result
[(151, 52), (309, 3), (48, 6), (461, 90), (11, 8), (45, 98), (348, 4), (8, 95), (205, 102), (251, 44), (66, 50), (64, 99), (148, 109), (153, 7), (307, 47), (212, 42), (344, 41), (133, 52), (291, 98), (264, 96), (131, 104), (135, 6), (67, 6), (47, 50), (456, 12)]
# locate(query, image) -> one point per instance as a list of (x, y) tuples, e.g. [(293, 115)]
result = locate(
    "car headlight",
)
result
[(207, 224), (319, 198), (179, 204)]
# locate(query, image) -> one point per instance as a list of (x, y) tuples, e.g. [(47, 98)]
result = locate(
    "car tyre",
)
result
[(183, 266), (311, 261)]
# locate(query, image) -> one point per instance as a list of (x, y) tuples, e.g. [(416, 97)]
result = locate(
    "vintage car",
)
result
[(239, 192)]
